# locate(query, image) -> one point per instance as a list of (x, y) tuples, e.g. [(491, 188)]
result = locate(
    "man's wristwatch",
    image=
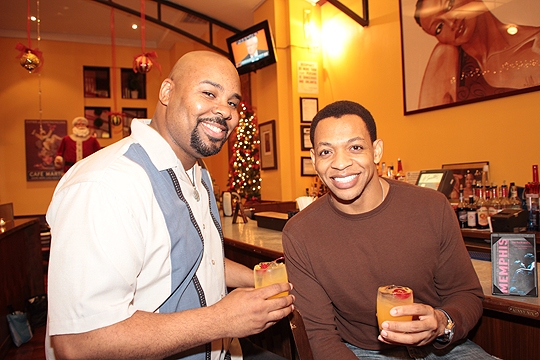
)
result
[(448, 330)]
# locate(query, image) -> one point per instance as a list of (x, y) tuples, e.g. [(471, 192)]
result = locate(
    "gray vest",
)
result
[(186, 240)]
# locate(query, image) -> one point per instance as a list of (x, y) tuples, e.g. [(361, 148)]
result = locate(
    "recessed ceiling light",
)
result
[(512, 30), (134, 26), (33, 18)]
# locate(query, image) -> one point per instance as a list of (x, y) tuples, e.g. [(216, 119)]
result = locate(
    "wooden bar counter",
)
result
[(21, 270), (510, 325)]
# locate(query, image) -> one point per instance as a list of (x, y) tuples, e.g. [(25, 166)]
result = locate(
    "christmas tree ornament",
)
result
[(142, 64), (116, 119), (30, 61)]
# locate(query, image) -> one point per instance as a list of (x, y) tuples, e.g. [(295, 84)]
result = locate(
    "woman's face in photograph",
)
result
[(452, 22)]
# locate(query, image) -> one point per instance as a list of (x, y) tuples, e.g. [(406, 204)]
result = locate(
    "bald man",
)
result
[(129, 277)]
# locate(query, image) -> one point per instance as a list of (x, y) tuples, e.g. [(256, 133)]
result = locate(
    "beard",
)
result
[(80, 132), (216, 144)]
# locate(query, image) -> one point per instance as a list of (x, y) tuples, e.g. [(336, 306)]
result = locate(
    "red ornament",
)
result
[(142, 64)]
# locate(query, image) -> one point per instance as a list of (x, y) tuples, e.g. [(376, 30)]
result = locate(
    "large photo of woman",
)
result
[(462, 51)]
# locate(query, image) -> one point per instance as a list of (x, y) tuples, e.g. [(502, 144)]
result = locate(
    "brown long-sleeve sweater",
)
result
[(337, 261)]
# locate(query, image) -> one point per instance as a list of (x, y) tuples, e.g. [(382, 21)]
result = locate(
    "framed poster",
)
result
[(305, 139), (267, 136), (447, 66), (306, 167), (308, 109), (99, 121), (466, 174), (42, 139)]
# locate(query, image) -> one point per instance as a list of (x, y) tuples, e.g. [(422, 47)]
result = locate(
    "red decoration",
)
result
[(144, 62), (30, 59)]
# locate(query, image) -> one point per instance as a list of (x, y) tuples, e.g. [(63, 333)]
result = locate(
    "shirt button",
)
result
[(213, 262), (204, 226)]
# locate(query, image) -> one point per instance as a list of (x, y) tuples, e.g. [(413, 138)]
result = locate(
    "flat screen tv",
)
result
[(252, 49), (440, 180)]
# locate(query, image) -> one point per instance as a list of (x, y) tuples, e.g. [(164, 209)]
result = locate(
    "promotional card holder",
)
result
[(513, 258)]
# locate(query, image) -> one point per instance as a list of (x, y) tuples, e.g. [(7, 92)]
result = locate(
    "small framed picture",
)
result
[(307, 168), (305, 139), (308, 109), (267, 135)]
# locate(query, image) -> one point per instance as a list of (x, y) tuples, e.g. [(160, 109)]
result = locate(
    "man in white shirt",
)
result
[(137, 269)]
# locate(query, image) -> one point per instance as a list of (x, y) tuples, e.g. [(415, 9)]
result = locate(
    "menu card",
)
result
[(513, 257)]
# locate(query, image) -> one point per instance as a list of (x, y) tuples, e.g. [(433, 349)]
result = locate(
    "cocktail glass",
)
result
[(390, 296), (268, 273)]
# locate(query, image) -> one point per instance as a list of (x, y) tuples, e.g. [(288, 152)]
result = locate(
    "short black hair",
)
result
[(340, 108), (417, 10)]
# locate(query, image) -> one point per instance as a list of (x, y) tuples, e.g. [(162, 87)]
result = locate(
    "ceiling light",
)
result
[(33, 18), (134, 26), (512, 30)]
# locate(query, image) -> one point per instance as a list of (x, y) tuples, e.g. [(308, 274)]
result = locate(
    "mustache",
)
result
[(217, 120)]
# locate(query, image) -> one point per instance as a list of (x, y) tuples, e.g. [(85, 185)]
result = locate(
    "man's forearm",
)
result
[(238, 275), (144, 335)]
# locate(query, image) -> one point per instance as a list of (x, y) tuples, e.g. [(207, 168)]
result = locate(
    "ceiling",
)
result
[(89, 21)]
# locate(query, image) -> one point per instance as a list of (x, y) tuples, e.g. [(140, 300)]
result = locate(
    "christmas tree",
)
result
[(244, 167)]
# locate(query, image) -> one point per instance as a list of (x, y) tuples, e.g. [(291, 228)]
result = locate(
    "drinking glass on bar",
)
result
[(390, 296), (268, 273)]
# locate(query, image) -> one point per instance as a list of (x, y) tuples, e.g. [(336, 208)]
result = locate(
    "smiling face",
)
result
[(452, 22), (345, 159), (199, 106)]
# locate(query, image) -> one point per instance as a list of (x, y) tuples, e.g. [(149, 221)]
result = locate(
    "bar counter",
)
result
[(510, 325)]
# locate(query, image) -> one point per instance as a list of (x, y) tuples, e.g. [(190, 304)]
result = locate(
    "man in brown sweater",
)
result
[(369, 232)]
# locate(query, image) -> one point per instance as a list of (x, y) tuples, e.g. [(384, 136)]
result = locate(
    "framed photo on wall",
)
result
[(443, 67), (305, 137), (306, 167), (267, 136), (308, 108)]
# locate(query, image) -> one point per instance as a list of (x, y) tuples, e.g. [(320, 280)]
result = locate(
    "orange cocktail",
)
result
[(268, 273), (390, 296)]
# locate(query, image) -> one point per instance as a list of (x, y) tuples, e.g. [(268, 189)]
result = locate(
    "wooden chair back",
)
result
[(300, 336)]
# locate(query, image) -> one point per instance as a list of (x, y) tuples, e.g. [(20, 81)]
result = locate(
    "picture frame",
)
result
[(42, 138), (305, 139), (306, 167), (459, 171), (267, 136), (308, 109), (427, 86), (99, 121)]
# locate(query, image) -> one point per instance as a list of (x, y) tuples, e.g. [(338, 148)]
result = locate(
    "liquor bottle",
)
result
[(471, 213), (400, 174), (503, 196), (532, 191), (384, 171), (390, 174), (494, 204), (482, 211), (461, 209), (515, 201)]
